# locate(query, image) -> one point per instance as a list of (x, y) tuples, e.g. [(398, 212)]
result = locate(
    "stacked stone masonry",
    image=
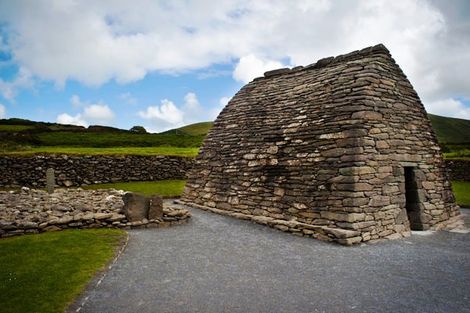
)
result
[(334, 150), (84, 170), (31, 211)]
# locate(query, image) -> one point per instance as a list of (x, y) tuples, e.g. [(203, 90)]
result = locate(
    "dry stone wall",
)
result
[(84, 170), (322, 151), (459, 169)]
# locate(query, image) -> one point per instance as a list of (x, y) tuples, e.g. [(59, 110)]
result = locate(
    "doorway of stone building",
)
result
[(412, 199)]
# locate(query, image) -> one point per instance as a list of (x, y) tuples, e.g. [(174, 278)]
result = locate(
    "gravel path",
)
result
[(220, 264)]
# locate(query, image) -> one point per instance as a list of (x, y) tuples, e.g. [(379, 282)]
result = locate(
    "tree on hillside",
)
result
[(138, 129)]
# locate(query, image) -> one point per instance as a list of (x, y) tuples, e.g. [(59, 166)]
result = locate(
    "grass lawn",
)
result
[(44, 273), (462, 193), (176, 151), (164, 188)]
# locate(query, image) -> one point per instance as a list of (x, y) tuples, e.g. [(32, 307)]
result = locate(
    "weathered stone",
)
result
[(136, 207), (155, 208), (352, 141), (50, 180)]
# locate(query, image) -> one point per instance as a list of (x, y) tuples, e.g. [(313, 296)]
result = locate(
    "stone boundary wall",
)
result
[(459, 169), (31, 211), (81, 170), (84, 170)]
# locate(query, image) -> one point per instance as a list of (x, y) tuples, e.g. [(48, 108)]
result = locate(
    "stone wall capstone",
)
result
[(77, 170)]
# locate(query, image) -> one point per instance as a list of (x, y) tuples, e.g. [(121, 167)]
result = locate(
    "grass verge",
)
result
[(46, 272), (462, 193), (174, 151), (164, 188)]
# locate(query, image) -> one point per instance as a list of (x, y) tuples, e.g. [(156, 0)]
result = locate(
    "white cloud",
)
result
[(190, 101), (167, 114), (449, 107), (250, 67), (9, 89), (65, 118), (128, 98), (214, 112), (98, 113), (3, 111), (94, 42), (75, 101)]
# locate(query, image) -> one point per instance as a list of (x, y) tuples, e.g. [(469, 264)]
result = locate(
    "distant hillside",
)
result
[(19, 134), (451, 130), (453, 135), (192, 129)]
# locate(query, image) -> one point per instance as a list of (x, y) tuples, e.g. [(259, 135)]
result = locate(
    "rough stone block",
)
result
[(136, 206)]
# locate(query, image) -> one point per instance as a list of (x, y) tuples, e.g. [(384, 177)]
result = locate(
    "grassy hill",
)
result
[(18, 136), (451, 130), (196, 129)]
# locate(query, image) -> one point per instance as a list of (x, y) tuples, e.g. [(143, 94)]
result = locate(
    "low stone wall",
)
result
[(459, 169), (84, 170), (31, 211)]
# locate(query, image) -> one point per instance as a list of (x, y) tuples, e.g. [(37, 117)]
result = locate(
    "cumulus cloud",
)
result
[(250, 67), (77, 119), (94, 42), (3, 111), (168, 115), (98, 113)]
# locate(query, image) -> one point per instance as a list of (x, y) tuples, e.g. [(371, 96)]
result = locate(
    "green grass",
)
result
[(197, 129), (14, 128), (451, 130), (462, 193), (165, 188), (176, 151), (116, 139), (44, 273), (460, 154)]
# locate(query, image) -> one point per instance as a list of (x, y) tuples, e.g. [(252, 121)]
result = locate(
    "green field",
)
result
[(46, 272), (14, 128), (116, 139), (164, 188), (462, 193), (176, 151)]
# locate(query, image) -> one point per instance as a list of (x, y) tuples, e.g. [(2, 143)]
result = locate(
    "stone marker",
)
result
[(50, 180), (136, 207), (156, 208)]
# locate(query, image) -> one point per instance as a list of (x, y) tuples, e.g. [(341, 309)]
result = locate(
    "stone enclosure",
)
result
[(340, 150)]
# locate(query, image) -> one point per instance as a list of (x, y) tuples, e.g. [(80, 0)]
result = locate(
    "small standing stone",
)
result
[(50, 180)]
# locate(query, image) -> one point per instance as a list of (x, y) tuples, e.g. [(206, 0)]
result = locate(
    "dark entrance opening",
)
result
[(412, 199)]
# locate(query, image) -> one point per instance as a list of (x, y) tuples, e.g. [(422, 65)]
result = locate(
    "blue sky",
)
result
[(163, 64)]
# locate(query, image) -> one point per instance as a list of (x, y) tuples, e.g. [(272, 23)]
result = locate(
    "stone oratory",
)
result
[(340, 150)]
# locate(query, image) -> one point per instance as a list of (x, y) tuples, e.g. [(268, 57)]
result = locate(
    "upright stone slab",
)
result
[(136, 206), (155, 208), (50, 180), (342, 144)]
